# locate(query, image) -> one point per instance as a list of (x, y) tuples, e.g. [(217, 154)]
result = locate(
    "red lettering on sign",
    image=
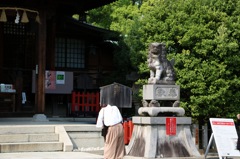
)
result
[(223, 123)]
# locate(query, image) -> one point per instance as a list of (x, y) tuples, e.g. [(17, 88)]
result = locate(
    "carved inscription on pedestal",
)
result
[(161, 92), (166, 92)]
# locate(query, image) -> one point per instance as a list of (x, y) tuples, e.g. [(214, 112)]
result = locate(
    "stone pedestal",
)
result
[(150, 140), (153, 93), (161, 92), (40, 118), (155, 111)]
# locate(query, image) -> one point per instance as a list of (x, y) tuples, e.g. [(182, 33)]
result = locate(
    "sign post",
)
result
[(225, 136)]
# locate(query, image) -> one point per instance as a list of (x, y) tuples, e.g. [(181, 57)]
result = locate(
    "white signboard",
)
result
[(225, 135)]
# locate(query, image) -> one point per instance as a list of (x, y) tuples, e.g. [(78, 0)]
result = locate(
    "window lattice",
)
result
[(19, 45), (70, 53)]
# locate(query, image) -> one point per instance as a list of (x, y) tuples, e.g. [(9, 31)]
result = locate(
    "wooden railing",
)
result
[(85, 103)]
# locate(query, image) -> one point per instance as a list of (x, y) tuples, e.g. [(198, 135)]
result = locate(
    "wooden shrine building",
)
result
[(45, 54)]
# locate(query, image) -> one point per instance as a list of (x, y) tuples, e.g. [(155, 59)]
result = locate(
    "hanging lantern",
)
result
[(3, 17), (24, 17)]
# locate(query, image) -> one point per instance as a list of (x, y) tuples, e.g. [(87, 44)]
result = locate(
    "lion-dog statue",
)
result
[(161, 70)]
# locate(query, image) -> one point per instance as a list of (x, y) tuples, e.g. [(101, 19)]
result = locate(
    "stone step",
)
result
[(27, 129), (24, 138), (86, 139), (11, 138), (31, 147), (85, 136)]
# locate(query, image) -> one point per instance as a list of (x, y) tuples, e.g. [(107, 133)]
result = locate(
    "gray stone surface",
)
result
[(25, 129), (151, 137), (85, 136), (51, 155), (63, 137), (10, 138), (40, 118), (33, 146), (161, 69), (160, 120), (161, 92), (80, 132), (155, 111), (83, 153), (150, 140)]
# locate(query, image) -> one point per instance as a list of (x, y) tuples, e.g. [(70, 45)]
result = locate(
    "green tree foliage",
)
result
[(201, 35)]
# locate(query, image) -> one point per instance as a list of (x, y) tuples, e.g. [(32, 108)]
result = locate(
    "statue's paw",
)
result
[(144, 103), (176, 104), (151, 80)]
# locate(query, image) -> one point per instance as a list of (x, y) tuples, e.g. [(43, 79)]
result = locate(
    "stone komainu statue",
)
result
[(161, 70)]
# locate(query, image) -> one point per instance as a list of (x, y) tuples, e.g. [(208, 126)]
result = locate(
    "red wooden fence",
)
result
[(85, 103)]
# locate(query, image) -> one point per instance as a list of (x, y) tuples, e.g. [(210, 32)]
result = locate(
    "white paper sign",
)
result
[(225, 135)]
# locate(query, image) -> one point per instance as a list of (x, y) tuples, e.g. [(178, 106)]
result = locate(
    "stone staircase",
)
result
[(34, 138)]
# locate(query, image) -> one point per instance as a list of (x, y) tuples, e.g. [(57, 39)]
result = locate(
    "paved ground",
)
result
[(74, 155), (50, 155), (66, 155)]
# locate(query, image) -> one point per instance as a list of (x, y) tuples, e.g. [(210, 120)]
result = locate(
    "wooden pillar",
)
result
[(1, 51), (41, 64)]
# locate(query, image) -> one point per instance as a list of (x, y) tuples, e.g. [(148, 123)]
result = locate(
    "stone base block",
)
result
[(155, 111), (150, 140), (161, 92), (40, 118)]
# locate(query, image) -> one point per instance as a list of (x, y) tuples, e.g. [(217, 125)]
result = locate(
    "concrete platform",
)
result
[(85, 154), (52, 121), (50, 155), (75, 133), (76, 155)]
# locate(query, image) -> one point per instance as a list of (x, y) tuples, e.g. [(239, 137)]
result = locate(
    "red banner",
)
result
[(171, 126)]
